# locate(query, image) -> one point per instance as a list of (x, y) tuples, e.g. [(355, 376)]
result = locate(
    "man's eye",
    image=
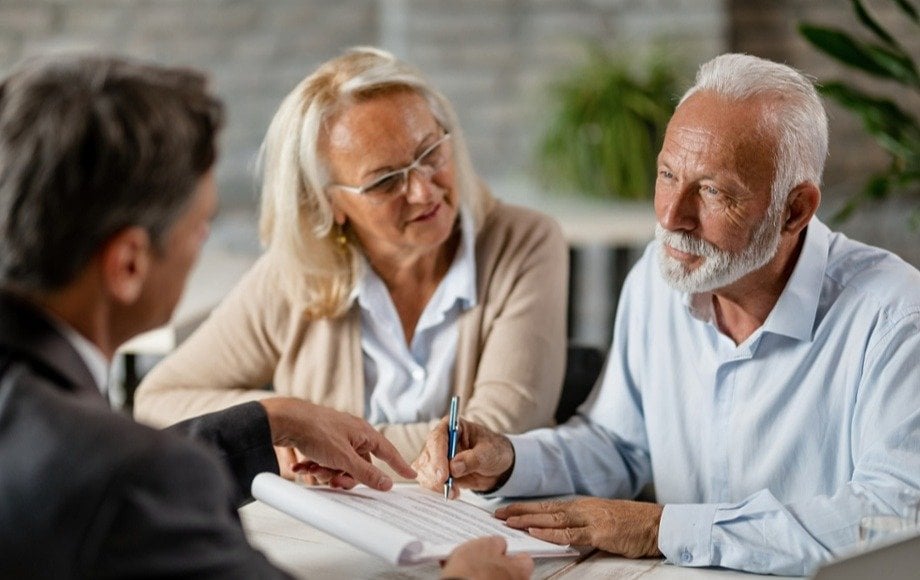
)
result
[(665, 174), (386, 184), (709, 190)]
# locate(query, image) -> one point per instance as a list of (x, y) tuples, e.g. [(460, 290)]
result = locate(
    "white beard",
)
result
[(719, 268)]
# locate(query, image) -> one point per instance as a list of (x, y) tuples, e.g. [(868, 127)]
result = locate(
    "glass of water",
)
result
[(875, 527)]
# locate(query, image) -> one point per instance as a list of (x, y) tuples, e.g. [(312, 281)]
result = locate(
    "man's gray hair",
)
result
[(90, 145), (795, 112)]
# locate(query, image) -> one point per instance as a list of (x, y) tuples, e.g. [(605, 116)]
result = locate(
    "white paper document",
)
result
[(406, 525)]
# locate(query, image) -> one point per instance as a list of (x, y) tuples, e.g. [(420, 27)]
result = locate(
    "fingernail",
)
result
[(439, 474), (459, 468)]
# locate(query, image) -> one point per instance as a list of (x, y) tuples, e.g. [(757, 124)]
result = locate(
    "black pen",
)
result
[(453, 428)]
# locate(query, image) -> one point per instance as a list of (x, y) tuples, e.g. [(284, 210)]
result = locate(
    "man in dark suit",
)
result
[(106, 193)]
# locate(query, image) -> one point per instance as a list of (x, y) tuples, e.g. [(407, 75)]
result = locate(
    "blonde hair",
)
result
[(296, 223)]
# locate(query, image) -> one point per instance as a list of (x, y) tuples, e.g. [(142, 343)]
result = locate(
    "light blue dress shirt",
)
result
[(411, 383), (766, 453)]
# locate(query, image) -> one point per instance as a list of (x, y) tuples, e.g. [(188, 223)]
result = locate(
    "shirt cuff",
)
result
[(685, 533), (526, 470)]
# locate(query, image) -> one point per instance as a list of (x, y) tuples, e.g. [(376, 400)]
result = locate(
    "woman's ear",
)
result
[(801, 205), (338, 215), (125, 261)]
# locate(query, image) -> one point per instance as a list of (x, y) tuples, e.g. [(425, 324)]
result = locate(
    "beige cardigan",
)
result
[(510, 352)]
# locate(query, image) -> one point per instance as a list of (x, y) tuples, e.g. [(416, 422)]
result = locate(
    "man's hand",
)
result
[(293, 466), (338, 446), (627, 528), (287, 459), (485, 559), (483, 459)]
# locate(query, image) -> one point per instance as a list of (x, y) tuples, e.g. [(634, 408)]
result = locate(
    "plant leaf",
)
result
[(605, 128), (908, 9), (873, 59), (870, 23), (845, 212), (877, 187), (891, 127)]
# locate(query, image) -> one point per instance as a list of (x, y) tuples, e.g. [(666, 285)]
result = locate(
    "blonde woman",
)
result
[(391, 278)]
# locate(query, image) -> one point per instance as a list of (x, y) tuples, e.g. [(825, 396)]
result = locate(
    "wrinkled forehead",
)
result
[(725, 135)]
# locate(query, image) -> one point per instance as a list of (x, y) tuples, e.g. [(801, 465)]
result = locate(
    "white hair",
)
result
[(795, 114)]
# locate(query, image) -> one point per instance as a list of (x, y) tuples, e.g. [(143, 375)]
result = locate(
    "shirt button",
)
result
[(418, 374), (686, 557)]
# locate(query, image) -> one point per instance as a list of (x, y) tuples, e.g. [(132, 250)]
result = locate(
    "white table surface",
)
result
[(305, 552)]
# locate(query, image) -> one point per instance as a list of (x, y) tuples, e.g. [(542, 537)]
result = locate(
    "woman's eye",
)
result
[(387, 184), (431, 159), (709, 190), (434, 159), (665, 174)]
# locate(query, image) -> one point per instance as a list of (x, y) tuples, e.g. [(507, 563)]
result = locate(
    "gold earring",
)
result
[(340, 238)]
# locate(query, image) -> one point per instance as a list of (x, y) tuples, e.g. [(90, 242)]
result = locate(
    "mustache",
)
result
[(684, 242)]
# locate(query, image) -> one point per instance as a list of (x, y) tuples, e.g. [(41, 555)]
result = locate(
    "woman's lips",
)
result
[(428, 214)]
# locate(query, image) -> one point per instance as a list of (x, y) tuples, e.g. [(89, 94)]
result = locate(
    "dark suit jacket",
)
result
[(87, 492)]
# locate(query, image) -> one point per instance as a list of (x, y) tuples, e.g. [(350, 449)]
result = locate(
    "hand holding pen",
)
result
[(479, 459), (453, 430)]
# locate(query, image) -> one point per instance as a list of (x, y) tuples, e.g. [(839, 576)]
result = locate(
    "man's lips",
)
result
[(678, 255)]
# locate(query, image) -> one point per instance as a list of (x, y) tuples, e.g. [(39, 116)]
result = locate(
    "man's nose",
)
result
[(677, 209)]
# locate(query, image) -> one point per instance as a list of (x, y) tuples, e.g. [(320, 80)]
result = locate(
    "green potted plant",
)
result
[(605, 128), (894, 129)]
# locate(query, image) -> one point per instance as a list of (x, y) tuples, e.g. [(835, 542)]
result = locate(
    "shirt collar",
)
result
[(794, 313), (459, 284), (92, 357), (461, 278)]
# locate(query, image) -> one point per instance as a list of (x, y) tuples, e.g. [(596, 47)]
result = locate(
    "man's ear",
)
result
[(125, 261), (801, 205)]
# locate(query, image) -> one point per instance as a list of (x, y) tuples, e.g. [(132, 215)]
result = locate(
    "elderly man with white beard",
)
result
[(763, 369)]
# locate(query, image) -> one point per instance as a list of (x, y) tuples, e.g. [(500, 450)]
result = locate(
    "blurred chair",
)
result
[(583, 367)]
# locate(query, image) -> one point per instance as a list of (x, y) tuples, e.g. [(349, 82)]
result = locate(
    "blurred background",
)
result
[(507, 65)]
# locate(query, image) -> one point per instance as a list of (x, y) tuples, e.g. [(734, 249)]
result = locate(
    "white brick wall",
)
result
[(493, 58)]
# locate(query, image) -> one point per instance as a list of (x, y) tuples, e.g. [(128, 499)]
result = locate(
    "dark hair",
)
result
[(90, 145)]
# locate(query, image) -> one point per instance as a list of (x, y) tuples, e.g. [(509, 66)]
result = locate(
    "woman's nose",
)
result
[(420, 188)]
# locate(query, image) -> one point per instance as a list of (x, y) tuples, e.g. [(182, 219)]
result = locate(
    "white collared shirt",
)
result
[(412, 383), (89, 353)]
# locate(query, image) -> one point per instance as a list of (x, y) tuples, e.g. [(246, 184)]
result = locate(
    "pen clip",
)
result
[(453, 424)]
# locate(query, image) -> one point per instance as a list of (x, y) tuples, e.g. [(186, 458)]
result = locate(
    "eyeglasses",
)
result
[(396, 183)]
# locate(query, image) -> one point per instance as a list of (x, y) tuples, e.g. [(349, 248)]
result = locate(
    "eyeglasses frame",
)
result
[(361, 190)]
